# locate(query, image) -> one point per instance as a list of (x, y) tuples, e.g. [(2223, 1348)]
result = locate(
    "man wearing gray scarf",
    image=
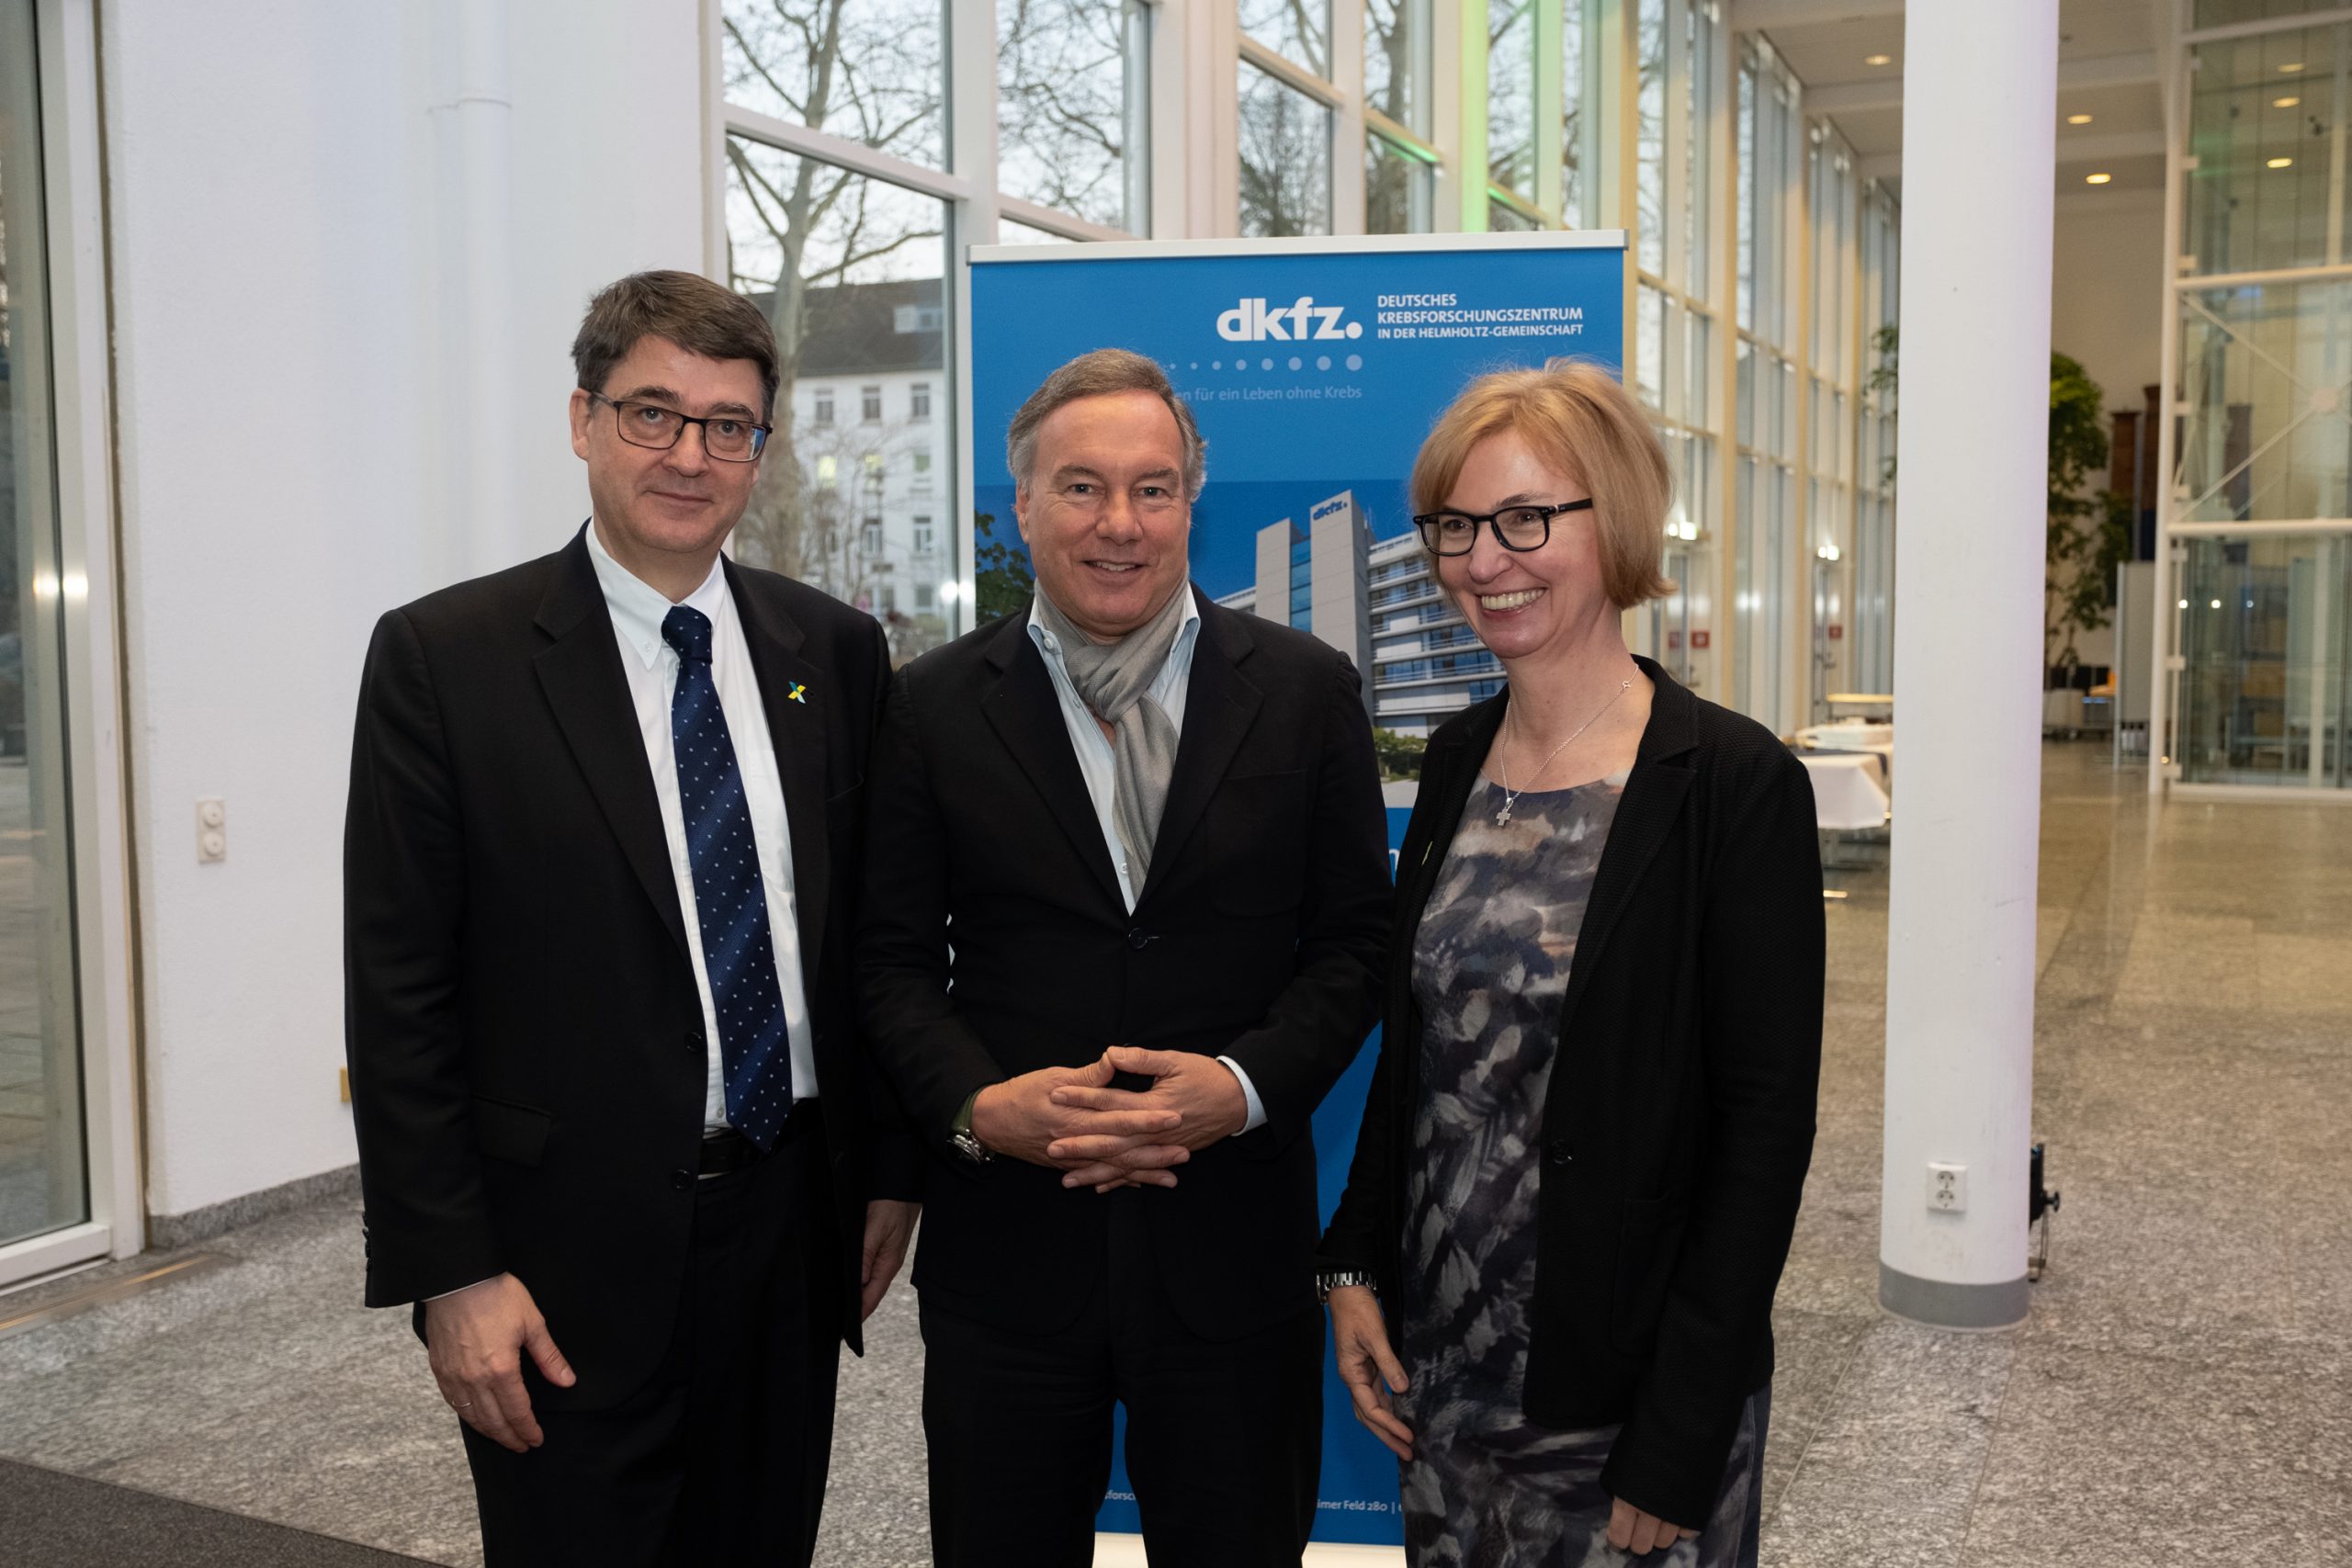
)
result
[(1153, 827)]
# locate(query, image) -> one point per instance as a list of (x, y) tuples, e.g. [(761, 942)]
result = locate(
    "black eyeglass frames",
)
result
[(1516, 527), (728, 437)]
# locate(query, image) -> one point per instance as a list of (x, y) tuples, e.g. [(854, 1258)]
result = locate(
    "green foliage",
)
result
[(1401, 755), (1002, 581), (2078, 553)]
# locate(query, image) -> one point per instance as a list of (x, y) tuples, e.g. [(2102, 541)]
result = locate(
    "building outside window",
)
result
[(851, 267), (919, 401)]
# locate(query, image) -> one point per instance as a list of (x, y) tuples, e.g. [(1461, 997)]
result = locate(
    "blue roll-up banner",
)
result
[(1314, 368)]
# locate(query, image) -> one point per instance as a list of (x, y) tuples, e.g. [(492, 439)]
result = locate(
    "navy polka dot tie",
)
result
[(729, 903)]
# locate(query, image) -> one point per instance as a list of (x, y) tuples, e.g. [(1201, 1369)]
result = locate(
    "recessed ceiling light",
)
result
[(1889, 59), (2290, 68), (2078, 119), (2096, 179), (2281, 163), (2286, 103)]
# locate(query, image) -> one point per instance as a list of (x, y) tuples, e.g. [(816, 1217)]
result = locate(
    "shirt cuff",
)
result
[(1250, 1093), (487, 1278)]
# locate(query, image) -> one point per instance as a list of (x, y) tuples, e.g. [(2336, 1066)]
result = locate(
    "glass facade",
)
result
[(2257, 529), (1285, 158), (44, 1176), (2262, 632), (1764, 266), (1073, 101)]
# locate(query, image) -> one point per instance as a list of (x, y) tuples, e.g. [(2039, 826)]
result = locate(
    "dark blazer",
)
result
[(1257, 935), (524, 1035), (1678, 1120)]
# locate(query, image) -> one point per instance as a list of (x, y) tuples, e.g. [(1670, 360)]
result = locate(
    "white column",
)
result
[(1979, 86), (473, 112)]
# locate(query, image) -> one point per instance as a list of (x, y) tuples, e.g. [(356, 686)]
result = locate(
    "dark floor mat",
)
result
[(56, 1520)]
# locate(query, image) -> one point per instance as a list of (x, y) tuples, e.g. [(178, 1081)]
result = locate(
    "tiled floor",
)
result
[(2183, 1394)]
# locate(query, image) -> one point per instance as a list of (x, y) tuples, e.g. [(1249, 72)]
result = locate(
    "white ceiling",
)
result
[(2108, 69)]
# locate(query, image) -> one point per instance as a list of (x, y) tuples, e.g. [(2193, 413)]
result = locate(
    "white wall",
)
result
[(276, 210), (2107, 289)]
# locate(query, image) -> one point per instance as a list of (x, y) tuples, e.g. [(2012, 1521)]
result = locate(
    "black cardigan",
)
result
[(1680, 1117)]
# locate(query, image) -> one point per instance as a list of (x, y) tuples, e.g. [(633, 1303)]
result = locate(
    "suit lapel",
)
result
[(1646, 814), (1219, 707), (1028, 716), (796, 731), (580, 672)]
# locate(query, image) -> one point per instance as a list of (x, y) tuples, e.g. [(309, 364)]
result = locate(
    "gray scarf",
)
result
[(1113, 680)]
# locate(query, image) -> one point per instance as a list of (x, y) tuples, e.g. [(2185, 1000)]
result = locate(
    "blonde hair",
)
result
[(1577, 419)]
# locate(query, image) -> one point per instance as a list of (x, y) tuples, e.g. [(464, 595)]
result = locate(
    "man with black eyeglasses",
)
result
[(616, 1144)]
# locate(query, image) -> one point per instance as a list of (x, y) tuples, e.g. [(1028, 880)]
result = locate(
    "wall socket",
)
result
[(1947, 1188), (211, 830)]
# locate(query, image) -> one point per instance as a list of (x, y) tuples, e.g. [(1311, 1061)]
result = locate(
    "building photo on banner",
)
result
[(1315, 366)]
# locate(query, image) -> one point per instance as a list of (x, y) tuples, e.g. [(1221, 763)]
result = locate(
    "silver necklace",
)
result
[(1502, 817)]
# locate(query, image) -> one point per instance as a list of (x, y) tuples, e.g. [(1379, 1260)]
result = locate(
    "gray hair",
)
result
[(1101, 373)]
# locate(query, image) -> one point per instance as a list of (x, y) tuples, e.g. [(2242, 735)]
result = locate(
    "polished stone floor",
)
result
[(2182, 1396)]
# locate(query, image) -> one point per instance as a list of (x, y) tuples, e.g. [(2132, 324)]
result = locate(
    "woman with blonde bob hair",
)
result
[(1551, 1277)]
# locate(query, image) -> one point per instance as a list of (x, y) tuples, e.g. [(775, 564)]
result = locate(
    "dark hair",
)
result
[(690, 310), (1104, 372)]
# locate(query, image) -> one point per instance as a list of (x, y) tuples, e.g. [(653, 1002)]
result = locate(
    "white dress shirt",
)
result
[(1098, 763), (651, 665)]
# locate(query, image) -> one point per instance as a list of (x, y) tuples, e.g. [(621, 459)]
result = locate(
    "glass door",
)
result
[(44, 1177)]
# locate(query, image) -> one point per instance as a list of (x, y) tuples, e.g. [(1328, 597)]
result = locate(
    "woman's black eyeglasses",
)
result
[(1516, 527)]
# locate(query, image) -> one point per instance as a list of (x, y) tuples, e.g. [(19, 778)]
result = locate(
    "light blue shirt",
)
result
[(1098, 765)]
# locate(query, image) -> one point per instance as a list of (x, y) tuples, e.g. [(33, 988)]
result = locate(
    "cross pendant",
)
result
[(1502, 817)]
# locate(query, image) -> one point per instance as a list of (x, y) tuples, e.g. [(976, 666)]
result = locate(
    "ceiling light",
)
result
[(2285, 103), (2096, 179), (2078, 119), (2281, 163), (2290, 68), (1885, 60)]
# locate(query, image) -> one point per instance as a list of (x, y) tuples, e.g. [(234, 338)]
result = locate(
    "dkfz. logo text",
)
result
[(1299, 322)]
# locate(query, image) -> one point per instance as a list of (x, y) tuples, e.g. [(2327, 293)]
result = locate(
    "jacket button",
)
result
[(1139, 939), (1556, 1152), (682, 1179)]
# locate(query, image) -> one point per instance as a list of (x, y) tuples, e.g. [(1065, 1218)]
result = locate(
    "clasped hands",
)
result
[(1072, 1120)]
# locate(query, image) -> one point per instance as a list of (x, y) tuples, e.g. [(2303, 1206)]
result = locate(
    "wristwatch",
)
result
[(967, 1142), (1338, 1280)]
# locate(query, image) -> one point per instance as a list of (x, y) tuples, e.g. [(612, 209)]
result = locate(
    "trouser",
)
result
[(722, 1456), (1224, 1442)]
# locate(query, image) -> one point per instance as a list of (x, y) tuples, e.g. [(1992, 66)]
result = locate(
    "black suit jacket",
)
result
[(1678, 1120), (524, 1036), (1257, 935)]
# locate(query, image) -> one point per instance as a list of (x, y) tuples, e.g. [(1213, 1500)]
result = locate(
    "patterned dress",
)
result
[(1486, 1488)]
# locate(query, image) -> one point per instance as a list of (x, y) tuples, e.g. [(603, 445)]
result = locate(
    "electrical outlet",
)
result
[(211, 830), (1947, 1188)]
